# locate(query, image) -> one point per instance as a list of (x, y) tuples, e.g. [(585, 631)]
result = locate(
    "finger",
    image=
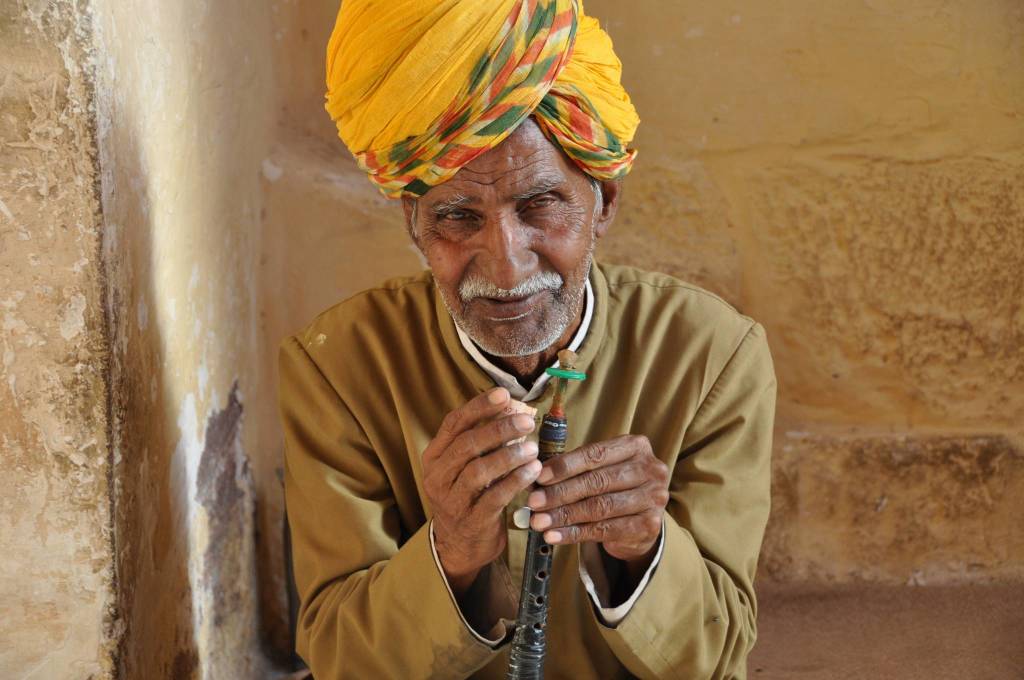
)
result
[(480, 408), (501, 493), (630, 530), (483, 472), (588, 457), (479, 440), (595, 509), (617, 477)]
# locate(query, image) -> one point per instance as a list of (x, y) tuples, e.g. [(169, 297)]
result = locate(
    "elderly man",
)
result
[(502, 127)]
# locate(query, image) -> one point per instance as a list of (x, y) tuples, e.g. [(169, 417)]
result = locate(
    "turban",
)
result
[(419, 88)]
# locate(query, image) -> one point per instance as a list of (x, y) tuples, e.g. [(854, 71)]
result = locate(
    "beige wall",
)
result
[(852, 176), (184, 117), (56, 589)]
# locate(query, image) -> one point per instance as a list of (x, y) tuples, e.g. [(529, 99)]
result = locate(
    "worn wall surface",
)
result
[(56, 576), (850, 175), (184, 118)]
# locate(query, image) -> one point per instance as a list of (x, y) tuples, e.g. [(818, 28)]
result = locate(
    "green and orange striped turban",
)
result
[(419, 88)]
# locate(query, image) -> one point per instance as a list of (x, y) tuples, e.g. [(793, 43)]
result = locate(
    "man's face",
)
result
[(510, 240)]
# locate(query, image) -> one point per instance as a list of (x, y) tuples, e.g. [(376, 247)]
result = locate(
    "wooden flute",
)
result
[(529, 642)]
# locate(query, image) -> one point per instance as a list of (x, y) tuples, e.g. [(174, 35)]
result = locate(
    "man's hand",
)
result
[(612, 492), (469, 475)]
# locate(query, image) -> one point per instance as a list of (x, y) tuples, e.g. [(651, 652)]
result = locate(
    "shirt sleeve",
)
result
[(697, 616), (497, 634), (372, 602), (596, 582)]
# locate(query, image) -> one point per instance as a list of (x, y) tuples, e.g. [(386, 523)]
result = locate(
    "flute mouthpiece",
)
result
[(567, 359)]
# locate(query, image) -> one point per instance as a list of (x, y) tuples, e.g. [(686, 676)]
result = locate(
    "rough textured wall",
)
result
[(852, 176), (849, 174), (184, 115), (55, 540)]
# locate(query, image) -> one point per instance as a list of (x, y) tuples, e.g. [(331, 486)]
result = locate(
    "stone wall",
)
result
[(852, 176), (56, 568)]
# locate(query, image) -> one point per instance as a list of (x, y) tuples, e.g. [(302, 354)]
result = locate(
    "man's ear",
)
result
[(409, 208), (611, 190)]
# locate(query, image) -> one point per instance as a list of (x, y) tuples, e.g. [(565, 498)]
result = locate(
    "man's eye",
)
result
[(541, 202), (455, 215)]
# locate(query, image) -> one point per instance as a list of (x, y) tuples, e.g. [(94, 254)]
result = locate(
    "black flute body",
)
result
[(529, 642)]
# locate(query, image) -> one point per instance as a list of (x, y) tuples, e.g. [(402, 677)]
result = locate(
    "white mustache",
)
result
[(474, 286)]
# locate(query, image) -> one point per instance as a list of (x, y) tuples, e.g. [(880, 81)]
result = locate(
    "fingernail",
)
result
[(546, 476), (537, 499), (553, 536), (533, 468), (530, 449), (541, 521), (497, 396), (523, 423)]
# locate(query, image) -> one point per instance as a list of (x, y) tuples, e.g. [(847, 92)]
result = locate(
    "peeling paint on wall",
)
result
[(224, 492), (222, 487)]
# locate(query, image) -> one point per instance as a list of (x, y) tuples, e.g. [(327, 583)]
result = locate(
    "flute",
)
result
[(529, 643)]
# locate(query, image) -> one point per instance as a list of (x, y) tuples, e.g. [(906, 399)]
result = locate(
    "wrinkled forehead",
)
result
[(525, 163)]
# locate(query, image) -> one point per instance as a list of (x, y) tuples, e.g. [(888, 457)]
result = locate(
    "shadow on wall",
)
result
[(183, 127), (151, 514)]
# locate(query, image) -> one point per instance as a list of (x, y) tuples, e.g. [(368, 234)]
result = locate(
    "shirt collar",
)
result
[(505, 379)]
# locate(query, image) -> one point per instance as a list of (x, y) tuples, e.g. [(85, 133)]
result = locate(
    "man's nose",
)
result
[(508, 257)]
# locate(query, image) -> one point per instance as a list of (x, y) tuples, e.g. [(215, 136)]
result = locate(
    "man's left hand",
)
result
[(612, 492)]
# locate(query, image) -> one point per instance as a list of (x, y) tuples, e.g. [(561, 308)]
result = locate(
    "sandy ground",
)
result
[(881, 633)]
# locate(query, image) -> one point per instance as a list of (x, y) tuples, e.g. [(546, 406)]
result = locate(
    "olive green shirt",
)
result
[(364, 389)]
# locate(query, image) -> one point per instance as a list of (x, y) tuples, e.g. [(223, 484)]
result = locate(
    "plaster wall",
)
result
[(56, 575), (850, 175), (182, 91)]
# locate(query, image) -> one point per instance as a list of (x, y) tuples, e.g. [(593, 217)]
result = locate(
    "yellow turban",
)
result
[(419, 88)]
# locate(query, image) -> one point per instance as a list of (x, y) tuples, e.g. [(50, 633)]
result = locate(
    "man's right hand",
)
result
[(469, 475)]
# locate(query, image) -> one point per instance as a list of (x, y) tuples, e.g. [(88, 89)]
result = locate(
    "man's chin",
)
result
[(511, 338), (506, 340)]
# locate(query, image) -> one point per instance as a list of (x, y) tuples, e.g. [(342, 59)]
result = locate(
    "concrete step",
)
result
[(895, 509), (965, 632)]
